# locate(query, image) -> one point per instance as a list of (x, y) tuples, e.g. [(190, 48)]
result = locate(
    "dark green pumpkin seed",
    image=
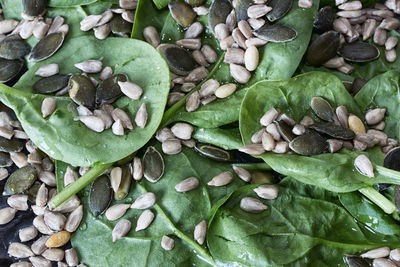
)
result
[(323, 48), (47, 46), (32, 191), (125, 184), (109, 90), (241, 9), (82, 90), (359, 52), (5, 160), (324, 19), (333, 130), (358, 84), (309, 144), (355, 261), (179, 60), (195, 2), (218, 12), (182, 13), (120, 27), (322, 108), (392, 159), (153, 164), (20, 180), (9, 69), (100, 195), (51, 84), (275, 33), (12, 145), (279, 9), (214, 153), (13, 47), (34, 7), (285, 130)]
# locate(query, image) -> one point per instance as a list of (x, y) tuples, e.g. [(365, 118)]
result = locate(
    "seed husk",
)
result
[(242, 173), (252, 205), (323, 48), (188, 184), (359, 52), (376, 253), (121, 229), (171, 146), (167, 243), (284, 130), (7, 215), (58, 239), (276, 33), (333, 130), (214, 153), (308, 144), (13, 47), (100, 196), (144, 201), (364, 166), (18, 202), (324, 19), (120, 27), (322, 109), (47, 46), (179, 60), (144, 220), (20, 180), (82, 90), (221, 179), (153, 164), (19, 250), (9, 69), (218, 12), (200, 231)]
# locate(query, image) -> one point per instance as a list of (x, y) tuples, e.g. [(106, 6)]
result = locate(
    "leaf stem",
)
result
[(78, 185), (394, 176), (380, 200)]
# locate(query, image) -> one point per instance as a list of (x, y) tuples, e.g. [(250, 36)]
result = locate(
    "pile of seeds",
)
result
[(380, 256), (338, 129), (118, 21), (90, 94), (340, 43), (172, 139), (34, 182)]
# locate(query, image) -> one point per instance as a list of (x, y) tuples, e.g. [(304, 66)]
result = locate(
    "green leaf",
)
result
[(332, 171), (228, 138), (277, 61), (161, 3), (70, 3), (176, 215), (304, 226), (65, 139), (61, 168)]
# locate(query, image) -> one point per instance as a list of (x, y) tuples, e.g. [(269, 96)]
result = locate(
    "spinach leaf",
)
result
[(383, 91), (277, 61), (334, 172), (97, 7), (305, 225), (160, 4), (70, 3), (70, 141), (365, 3), (226, 138), (176, 215), (369, 214)]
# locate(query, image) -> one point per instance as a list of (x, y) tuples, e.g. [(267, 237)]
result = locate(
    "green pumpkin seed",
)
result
[(333, 130), (241, 9), (359, 52), (323, 48), (32, 191), (279, 9), (322, 109), (51, 84), (82, 90), (179, 60), (355, 261), (285, 130), (324, 19), (218, 12), (125, 184), (100, 196), (5, 160), (120, 27), (214, 153), (275, 33), (47, 46), (153, 164), (309, 144), (20, 180), (13, 47), (9, 69), (182, 13), (12, 145), (109, 90), (34, 7)]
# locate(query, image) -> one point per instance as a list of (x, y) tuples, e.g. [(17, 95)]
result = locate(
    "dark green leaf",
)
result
[(226, 138), (61, 168)]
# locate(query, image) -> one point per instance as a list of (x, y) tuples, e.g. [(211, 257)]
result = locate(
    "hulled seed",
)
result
[(171, 146), (254, 41), (182, 130), (267, 191), (369, 28), (299, 129), (194, 30), (375, 116), (19, 159), (208, 99), (121, 115), (305, 3), (48, 178), (253, 149), (359, 145), (117, 128), (56, 221), (70, 176), (7, 215), (201, 10), (221, 179), (256, 138), (193, 102), (128, 16), (21, 264), (342, 25), (343, 116), (57, 22), (6, 133), (189, 143), (383, 262), (355, 124), (239, 73), (234, 55), (391, 55), (104, 116), (187, 87), (377, 253), (286, 118), (258, 11), (116, 211), (167, 243), (19, 250), (251, 58), (187, 184), (93, 123), (226, 43), (380, 126), (38, 210), (269, 117), (90, 66), (141, 116), (209, 54), (39, 223), (197, 75), (346, 68), (225, 90), (39, 245), (41, 197), (242, 173), (364, 166), (267, 141), (380, 36), (3, 173), (106, 73), (144, 220), (353, 5), (252, 205), (200, 232), (199, 58), (102, 31), (334, 63), (256, 23), (239, 38), (192, 44), (334, 145), (34, 158), (208, 88), (137, 169), (7, 25), (164, 134), (145, 201), (221, 31), (74, 219), (27, 233), (151, 36), (40, 261), (47, 70), (231, 20), (245, 29), (115, 178), (71, 257), (395, 254), (18, 202), (89, 22), (59, 239), (53, 254), (391, 42), (121, 229), (48, 106), (349, 13), (281, 147), (106, 17)]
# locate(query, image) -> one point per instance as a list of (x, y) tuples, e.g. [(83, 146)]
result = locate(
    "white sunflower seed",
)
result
[(350, 13), (253, 149), (334, 63), (245, 29), (200, 58), (209, 54), (102, 31), (346, 68), (200, 10), (334, 145), (369, 27), (343, 116), (40, 245), (352, 5), (391, 55), (106, 73), (281, 147), (382, 262), (137, 169), (269, 117), (141, 116), (221, 31), (121, 229), (106, 17), (34, 158), (27, 29), (18, 202), (256, 23), (90, 22), (252, 205), (380, 36), (208, 88), (242, 173), (19, 134), (299, 129), (267, 191), (395, 254), (53, 254), (7, 25), (239, 73), (273, 130), (254, 41), (380, 126), (38, 210), (128, 4), (93, 123), (286, 118), (171, 146), (193, 102), (364, 166), (342, 25), (90, 66), (391, 42), (115, 178), (305, 3), (71, 257), (128, 16), (117, 127), (226, 43), (189, 143), (145, 201), (104, 116), (192, 44), (70, 176), (56, 24), (74, 219), (239, 38), (256, 138), (144, 220), (41, 197), (64, 29), (182, 130), (116, 211), (69, 205), (251, 58), (197, 75), (221, 179), (187, 184), (200, 232), (377, 253), (7, 215), (121, 115), (234, 55), (258, 11), (194, 30), (21, 264), (6, 133), (3, 173), (19, 159), (19, 250), (47, 70), (54, 220), (375, 116), (268, 141), (27, 233), (208, 99), (40, 261), (48, 178), (231, 20), (167, 243)]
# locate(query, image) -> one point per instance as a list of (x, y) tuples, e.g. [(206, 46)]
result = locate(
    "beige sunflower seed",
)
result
[(93, 123), (364, 166), (83, 170), (377, 253), (391, 55), (226, 43), (145, 201), (380, 36), (189, 143), (234, 55), (273, 130), (342, 115), (27, 29), (383, 262), (171, 146), (151, 36), (359, 145), (281, 147), (128, 16), (369, 28), (193, 102), (391, 42), (71, 257), (194, 30), (380, 136), (27, 233), (242, 173), (84, 111), (334, 63), (7, 215), (380, 126), (19, 134), (208, 99), (106, 73), (197, 75), (286, 118), (299, 129), (6, 133), (239, 73), (390, 24), (187, 87), (121, 229), (56, 24), (47, 70), (54, 220), (106, 17), (104, 116), (200, 58), (53, 254), (19, 250), (254, 41), (350, 13), (117, 127), (90, 66), (192, 44), (52, 193), (268, 141), (256, 23), (48, 178), (395, 254), (182, 130), (225, 90), (21, 264), (252, 205), (267, 191), (64, 29), (123, 116), (38, 210), (7, 25), (253, 149), (137, 169), (41, 197), (74, 219), (375, 116), (69, 205), (239, 38), (128, 4), (352, 5), (200, 232), (334, 145), (251, 58), (102, 31), (208, 88), (200, 10), (18, 202), (305, 3), (258, 11), (115, 178), (34, 158), (40, 261), (256, 138), (90, 22), (3, 173), (167, 243), (188, 184), (70, 176), (342, 25), (116, 211), (245, 29), (209, 54), (269, 117), (221, 31), (221, 179), (231, 21), (144, 220), (346, 68), (382, 13), (42, 227), (39, 245), (19, 159)]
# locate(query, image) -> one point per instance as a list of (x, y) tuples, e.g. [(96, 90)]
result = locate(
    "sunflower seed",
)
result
[(48, 106), (6, 133), (117, 127), (121, 229), (19, 134), (207, 100), (256, 138), (53, 254), (227, 43), (128, 4), (245, 29), (27, 233), (194, 30), (55, 221), (90, 22), (74, 219), (225, 90), (251, 58), (256, 23), (221, 179), (182, 130), (200, 232), (209, 54), (3, 173), (257, 42), (141, 116), (102, 31), (116, 211), (380, 36), (365, 167), (382, 262), (221, 31), (391, 55), (234, 55), (199, 58), (200, 10), (268, 141), (395, 254), (342, 115), (242, 173), (121, 115), (193, 102), (376, 253), (38, 210), (253, 149), (48, 178), (334, 63), (167, 243), (164, 134), (18, 202), (137, 169), (258, 11), (151, 36), (40, 245), (187, 185), (375, 116), (47, 70), (239, 38), (172, 146), (128, 16), (346, 68), (269, 117), (8, 25), (305, 3), (90, 66), (334, 145), (115, 178), (209, 87), (26, 30), (19, 250), (71, 257), (7, 215), (106, 73), (391, 42), (267, 191), (104, 116), (92, 122), (231, 20), (252, 205), (145, 201), (353, 5), (41, 197), (298, 129), (192, 44), (197, 75), (144, 220), (40, 261), (239, 73)]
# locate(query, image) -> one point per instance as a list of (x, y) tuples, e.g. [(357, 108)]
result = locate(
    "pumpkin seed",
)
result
[(323, 48), (34, 7), (322, 109), (153, 164), (47, 46), (333, 130), (284, 130), (179, 60), (20, 180), (275, 33), (241, 9), (100, 196), (9, 69), (182, 13), (279, 9), (82, 90), (51, 84), (359, 52), (214, 153), (308, 144), (5, 160), (13, 47), (392, 159), (218, 12), (355, 261), (109, 90), (120, 27)]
